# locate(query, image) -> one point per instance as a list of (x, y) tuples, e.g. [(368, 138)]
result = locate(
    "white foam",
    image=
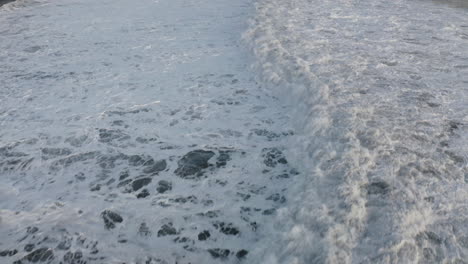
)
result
[(374, 84)]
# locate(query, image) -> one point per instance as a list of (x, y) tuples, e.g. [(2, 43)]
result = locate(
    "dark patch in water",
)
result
[(379, 187), (192, 164)]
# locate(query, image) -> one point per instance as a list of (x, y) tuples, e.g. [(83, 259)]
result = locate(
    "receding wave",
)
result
[(380, 90)]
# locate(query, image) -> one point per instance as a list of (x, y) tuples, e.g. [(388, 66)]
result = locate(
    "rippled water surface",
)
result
[(134, 132)]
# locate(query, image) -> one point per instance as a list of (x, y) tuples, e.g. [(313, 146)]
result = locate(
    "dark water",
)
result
[(453, 3), (2, 2)]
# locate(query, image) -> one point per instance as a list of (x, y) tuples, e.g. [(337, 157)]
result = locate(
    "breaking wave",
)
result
[(380, 95)]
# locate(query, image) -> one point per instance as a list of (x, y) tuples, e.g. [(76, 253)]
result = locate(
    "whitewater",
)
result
[(201, 131)]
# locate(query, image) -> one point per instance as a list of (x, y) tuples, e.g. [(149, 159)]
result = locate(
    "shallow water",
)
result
[(135, 132), (138, 133)]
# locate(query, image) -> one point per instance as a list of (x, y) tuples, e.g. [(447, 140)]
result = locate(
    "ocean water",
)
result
[(380, 90), (134, 132), (201, 131)]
